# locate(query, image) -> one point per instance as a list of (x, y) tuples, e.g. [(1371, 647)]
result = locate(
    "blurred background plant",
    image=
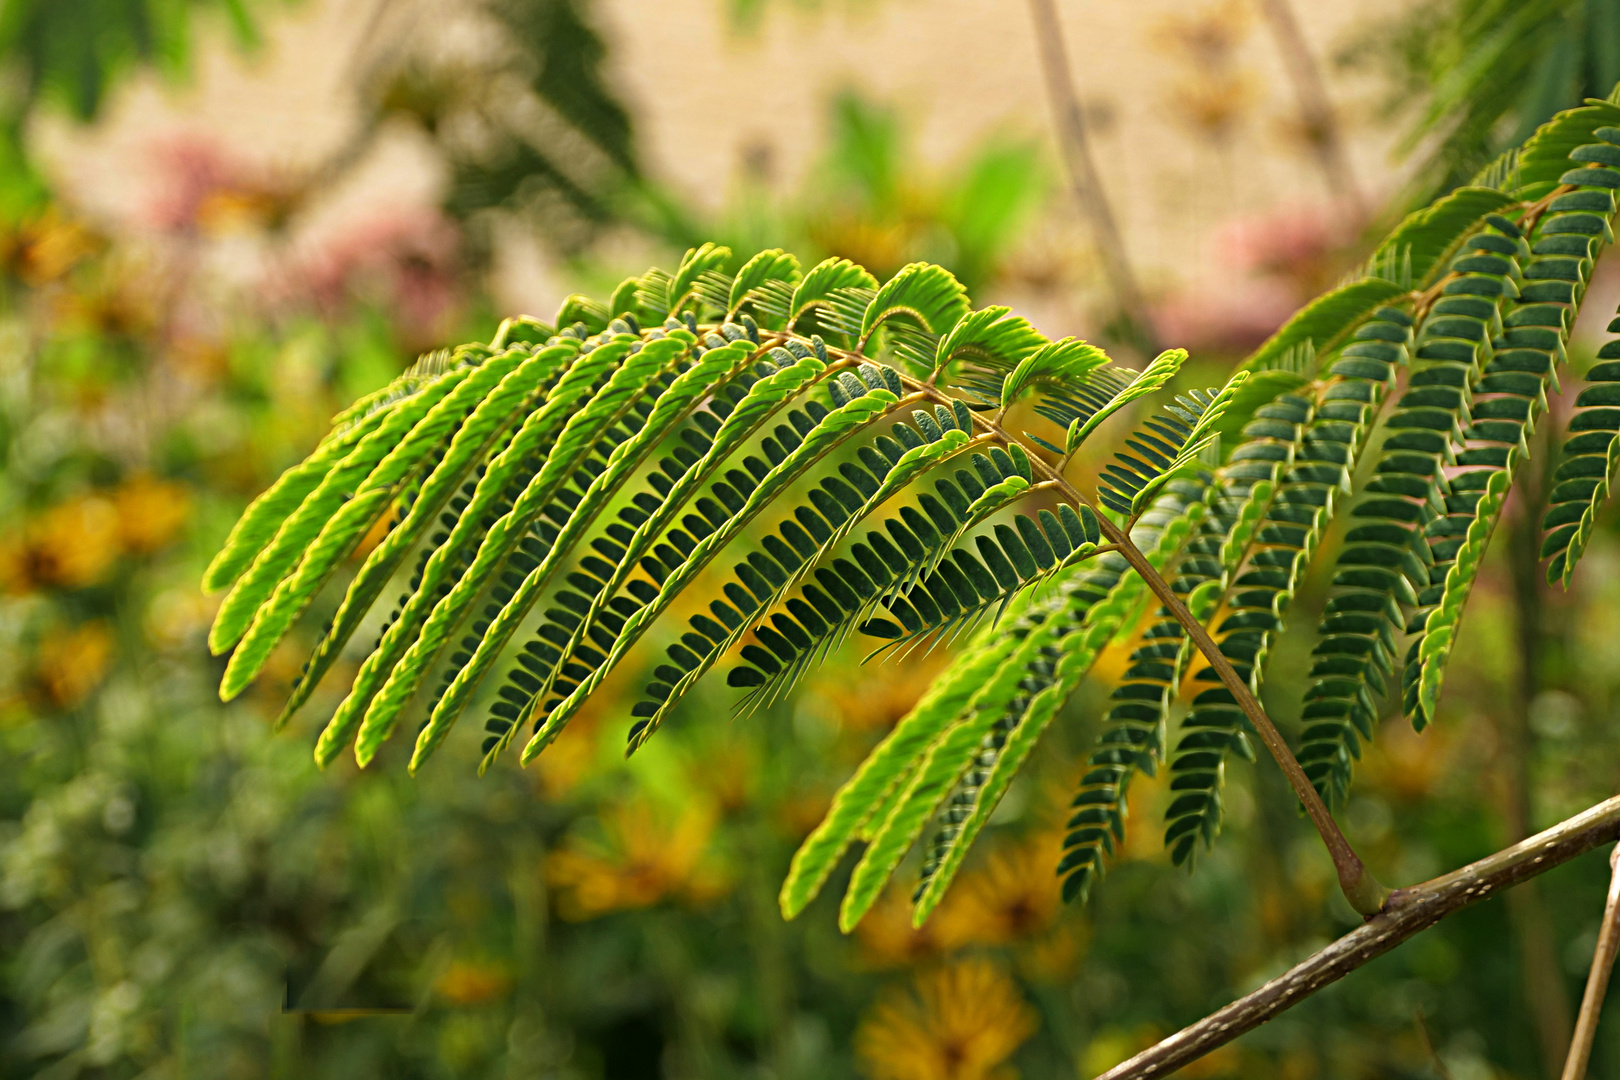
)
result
[(183, 894)]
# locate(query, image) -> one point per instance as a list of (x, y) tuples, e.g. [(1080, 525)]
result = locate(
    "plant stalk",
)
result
[(1407, 912), (1597, 980), (1361, 889)]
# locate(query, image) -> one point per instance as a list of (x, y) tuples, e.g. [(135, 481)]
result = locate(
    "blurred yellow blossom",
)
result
[(70, 662), (643, 854), (887, 937), (960, 1022), (150, 512), (1012, 896), (466, 982), (41, 249), (71, 545)]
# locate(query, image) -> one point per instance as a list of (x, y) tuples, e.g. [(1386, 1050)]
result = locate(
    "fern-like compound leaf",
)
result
[(1586, 466)]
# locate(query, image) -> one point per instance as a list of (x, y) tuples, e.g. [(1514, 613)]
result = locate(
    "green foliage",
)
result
[(1483, 74), (840, 441)]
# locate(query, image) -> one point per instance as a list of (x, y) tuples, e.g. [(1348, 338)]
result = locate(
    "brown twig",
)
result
[(1597, 980), (1360, 888), (1407, 912)]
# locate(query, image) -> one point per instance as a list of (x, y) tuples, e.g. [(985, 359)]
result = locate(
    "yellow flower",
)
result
[(644, 854), (887, 937), (150, 512), (468, 983), (70, 663), (71, 545), (960, 1022), (44, 248), (1013, 896)]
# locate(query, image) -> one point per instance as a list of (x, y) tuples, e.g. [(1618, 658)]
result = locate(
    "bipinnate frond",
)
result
[(787, 459)]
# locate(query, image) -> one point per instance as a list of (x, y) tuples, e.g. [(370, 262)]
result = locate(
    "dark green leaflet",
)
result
[(828, 433), (1132, 738), (1508, 399), (1275, 559), (1586, 466), (1387, 557), (1101, 600), (883, 570), (558, 656)]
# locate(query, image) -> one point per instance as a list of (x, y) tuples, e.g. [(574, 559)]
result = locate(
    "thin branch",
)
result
[(1316, 115), (1360, 888), (1407, 912), (1597, 980), (1072, 140)]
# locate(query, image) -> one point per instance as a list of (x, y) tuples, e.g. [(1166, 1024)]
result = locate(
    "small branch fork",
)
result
[(1407, 912)]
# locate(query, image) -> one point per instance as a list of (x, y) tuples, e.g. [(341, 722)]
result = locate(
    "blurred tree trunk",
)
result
[(1546, 996), (1073, 142), (1318, 124)]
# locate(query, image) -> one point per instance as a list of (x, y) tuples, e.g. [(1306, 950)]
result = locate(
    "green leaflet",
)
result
[(941, 765), (927, 294), (632, 373), (537, 430), (833, 428), (472, 444), (1545, 157), (1512, 394), (1153, 378), (1386, 554), (582, 311), (427, 368), (941, 768), (344, 529), (886, 768), (762, 402), (684, 394), (1253, 597), (684, 288), (710, 651), (765, 284), (1065, 361), (1093, 621), (265, 514), (1326, 321), (824, 285), (1423, 244), (301, 527), (1586, 466), (847, 589), (991, 338)]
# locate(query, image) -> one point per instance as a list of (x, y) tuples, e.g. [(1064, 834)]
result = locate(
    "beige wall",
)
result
[(704, 95)]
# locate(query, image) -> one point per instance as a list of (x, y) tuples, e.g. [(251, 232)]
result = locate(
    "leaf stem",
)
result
[(1361, 889), (1597, 980)]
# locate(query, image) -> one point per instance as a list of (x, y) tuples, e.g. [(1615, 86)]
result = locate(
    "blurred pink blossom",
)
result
[(405, 258), (1266, 267)]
